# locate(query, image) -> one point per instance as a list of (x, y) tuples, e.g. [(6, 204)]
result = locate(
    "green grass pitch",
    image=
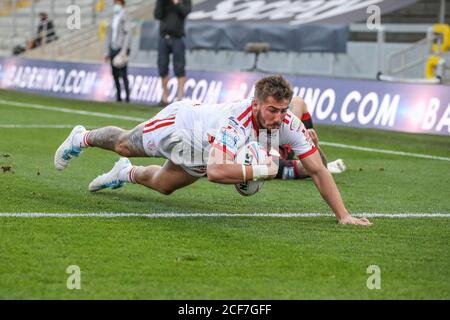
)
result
[(216, 257)]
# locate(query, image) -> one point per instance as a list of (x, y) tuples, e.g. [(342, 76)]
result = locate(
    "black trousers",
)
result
[(120, 73)]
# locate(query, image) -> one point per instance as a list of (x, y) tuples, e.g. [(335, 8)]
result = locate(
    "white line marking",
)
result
[(111, 116), (66, 110), (218, 215), (398, 153)]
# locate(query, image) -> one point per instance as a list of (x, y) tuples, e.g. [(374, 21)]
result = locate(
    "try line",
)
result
[(215, 215)]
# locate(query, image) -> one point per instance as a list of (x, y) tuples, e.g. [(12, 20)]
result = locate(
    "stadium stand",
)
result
[(402, 50), (20, 19), (84, 44)]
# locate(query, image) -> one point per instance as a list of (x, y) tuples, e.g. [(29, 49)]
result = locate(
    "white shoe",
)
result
[(68, 150), (110, 179), (337, 166)]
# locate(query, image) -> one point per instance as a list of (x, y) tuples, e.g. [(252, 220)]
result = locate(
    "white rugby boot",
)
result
[(336, 166), (68, 149), (111, 179)]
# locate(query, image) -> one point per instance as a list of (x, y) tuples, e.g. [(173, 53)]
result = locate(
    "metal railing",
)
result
[(407, 64), (398, 62)]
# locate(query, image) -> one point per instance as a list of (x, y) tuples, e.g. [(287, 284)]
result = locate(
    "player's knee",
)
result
[(161, 186), (163, 189), (122, 147), (166, 191)]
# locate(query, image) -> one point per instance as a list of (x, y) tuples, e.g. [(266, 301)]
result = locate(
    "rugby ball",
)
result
[(253, 153)]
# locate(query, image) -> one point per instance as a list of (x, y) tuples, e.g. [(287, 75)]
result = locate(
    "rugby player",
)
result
[(204, 139)]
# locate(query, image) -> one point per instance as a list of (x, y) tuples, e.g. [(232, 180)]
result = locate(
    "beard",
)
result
[(263, 125)]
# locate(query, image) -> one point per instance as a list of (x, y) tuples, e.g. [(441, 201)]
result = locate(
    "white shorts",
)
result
[(160, 139)]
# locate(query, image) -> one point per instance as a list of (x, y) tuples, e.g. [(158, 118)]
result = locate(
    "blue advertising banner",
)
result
[(356, 103)]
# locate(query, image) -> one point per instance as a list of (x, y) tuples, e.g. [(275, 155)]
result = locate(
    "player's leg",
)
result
[(180, 92), (164, 179), (165, 88), (179, 65), (116, 76), (300, 109), (293, 169), (124, 76), (159, 140), (124, 142), (124, 73), (127, 143), (163, 67)]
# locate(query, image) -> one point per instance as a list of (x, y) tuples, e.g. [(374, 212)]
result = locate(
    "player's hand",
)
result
[(272, 166), (352, 220), (107, 58), (313, 135)]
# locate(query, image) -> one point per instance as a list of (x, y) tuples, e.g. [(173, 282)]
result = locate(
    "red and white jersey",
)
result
[(230, 126)]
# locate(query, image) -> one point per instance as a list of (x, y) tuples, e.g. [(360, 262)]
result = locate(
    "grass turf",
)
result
[(217, 258)]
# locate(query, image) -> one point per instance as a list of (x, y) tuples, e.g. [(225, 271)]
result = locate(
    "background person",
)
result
[(172, 14), (117, 47), (45, 30)]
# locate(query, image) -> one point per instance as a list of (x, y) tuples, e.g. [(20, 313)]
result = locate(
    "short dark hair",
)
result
[(275, 86), (122, 2)]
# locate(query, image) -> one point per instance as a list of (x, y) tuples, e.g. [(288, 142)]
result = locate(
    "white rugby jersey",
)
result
[(229, 126)]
